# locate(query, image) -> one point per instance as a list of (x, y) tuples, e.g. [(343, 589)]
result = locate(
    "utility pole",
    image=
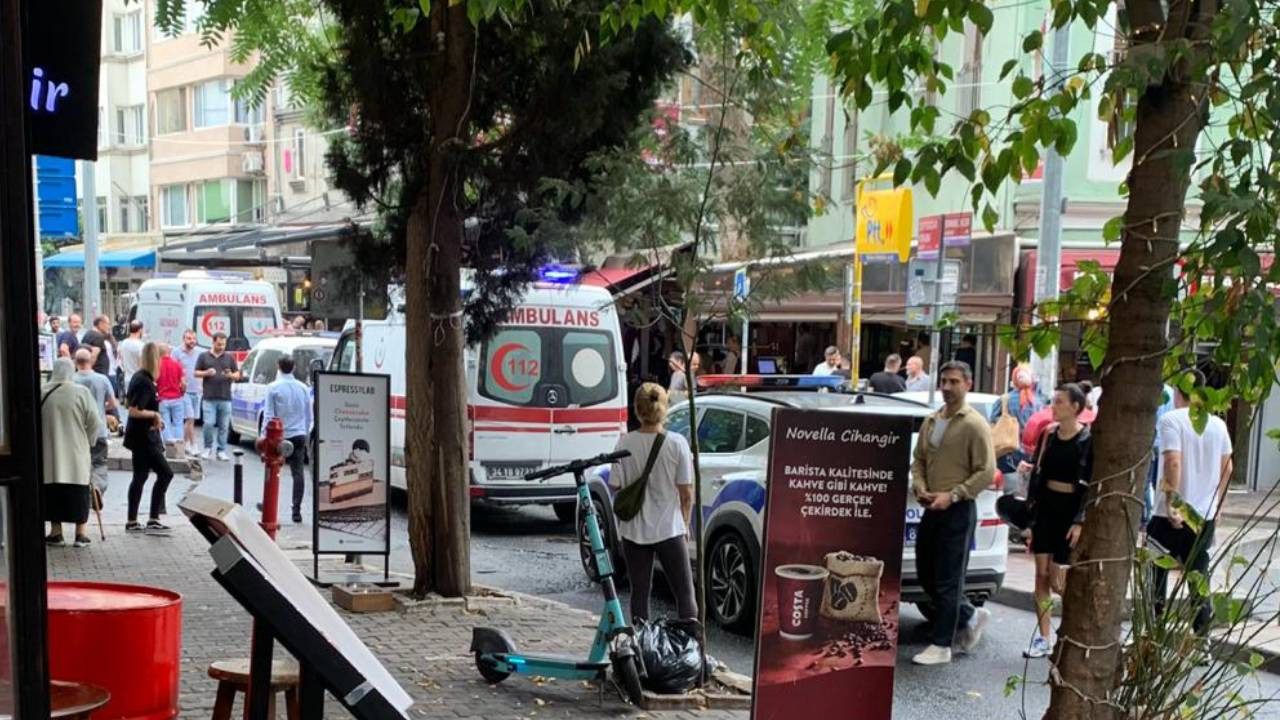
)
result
[(91, 299), (1049, 255)]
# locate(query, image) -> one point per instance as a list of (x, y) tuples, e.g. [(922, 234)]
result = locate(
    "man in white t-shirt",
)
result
[(131, 352), (1196, 470), (830, 363)]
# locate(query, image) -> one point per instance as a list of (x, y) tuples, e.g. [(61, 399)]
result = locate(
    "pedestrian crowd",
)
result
[(153, 395)]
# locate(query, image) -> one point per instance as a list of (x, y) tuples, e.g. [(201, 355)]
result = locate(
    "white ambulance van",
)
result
[(548, 387), (247, 311)]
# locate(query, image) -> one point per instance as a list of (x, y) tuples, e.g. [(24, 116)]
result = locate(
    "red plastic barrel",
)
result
[(126, 639)]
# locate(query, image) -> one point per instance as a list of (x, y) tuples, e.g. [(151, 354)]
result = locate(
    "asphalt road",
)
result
[(527, 550)]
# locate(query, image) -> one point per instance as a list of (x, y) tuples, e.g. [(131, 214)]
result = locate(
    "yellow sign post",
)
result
[(884, 221)]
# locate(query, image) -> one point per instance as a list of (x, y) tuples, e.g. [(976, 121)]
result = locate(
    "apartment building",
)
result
[(208, 159), (122, 173)]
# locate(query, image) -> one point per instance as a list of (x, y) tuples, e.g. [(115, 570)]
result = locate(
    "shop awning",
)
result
[(133, 258)]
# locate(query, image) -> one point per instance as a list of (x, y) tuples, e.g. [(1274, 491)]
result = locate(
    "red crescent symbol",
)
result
[(495, 367), (204, 323)]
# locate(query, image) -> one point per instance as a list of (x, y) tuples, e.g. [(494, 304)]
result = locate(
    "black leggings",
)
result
[(147, 459), (675, 563)]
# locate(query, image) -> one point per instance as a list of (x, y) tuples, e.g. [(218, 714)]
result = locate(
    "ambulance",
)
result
[(547, 387), (247, 311)]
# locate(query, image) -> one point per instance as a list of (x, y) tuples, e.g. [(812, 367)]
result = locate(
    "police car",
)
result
[(733, 429), (309, 350)]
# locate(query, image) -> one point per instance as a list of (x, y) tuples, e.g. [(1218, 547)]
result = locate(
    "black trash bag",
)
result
[(671, 655)]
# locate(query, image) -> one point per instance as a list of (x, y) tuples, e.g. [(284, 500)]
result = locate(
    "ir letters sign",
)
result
[(61, 40)]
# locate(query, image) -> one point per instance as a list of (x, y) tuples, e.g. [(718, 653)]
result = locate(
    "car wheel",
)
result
[(731, 583), (566, 511), (610, 542)]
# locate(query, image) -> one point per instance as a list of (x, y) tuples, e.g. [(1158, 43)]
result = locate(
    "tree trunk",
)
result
[(439, 513), (1087, 659)]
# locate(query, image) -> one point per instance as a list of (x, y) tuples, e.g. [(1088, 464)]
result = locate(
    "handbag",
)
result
[(1004, 434), (629, 500)]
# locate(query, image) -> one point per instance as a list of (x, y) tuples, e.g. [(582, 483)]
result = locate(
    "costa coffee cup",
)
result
[(799, 593)]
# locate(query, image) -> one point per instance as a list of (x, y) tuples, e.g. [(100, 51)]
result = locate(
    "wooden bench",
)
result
[(233, 677)]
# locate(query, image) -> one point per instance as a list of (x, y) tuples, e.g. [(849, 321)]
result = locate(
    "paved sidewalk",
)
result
[(425, 648)]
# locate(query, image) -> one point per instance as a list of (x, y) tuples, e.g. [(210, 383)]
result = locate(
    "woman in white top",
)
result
[(659, 529)]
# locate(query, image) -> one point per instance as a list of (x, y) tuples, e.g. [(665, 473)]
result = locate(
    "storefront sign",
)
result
[(884, 223), (930, 237), (827, 635), (61, 40), (350, 470), (957, 229)]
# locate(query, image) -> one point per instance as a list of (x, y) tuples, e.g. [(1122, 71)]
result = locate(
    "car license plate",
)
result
[(502, 472), (910, 533)]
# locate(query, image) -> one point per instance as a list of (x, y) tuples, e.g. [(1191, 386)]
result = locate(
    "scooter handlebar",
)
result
[(578, 465)]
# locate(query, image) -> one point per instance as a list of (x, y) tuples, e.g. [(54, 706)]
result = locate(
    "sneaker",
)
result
[(53, 540), (207, 454), (933, 655), (155, 527), (133, 527), (82, 541), (968, 638), (223, 456), (1039, 648)]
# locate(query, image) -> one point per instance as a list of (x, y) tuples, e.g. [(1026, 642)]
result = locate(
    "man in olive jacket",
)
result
[(954, 461)]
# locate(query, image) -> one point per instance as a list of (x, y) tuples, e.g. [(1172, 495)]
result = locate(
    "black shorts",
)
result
[(1054, 514)]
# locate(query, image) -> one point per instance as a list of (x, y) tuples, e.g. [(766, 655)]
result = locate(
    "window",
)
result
[(256, 324), (104, 134), (678, 422), (173, 200), (970, 85), (104, 211), (171, 111), (757, 431), (248, 113), (587, 360), (305, 357), (140, 205), (244, 326), (250, 195), (213, 202), (347, 354), (512, 366), (130, 129), (212, 104), (124, 215), (127, 29), (299, 153), (720, 431), (264, 371)]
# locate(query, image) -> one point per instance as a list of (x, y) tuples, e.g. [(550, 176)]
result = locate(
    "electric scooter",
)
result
[(614, 646)]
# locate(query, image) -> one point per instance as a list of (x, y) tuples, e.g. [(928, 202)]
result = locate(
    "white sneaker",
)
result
[(968, 638), (1039, 648), (933, 655), (223, 456), (207, 454)]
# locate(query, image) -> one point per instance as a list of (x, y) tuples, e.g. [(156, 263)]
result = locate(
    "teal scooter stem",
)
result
[(614, 645)]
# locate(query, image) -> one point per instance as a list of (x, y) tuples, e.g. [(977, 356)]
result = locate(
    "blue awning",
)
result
[(135, 258)]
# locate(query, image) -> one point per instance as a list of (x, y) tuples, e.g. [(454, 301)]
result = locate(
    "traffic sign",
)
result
[(930, 237), (921, 279), (741, 284)]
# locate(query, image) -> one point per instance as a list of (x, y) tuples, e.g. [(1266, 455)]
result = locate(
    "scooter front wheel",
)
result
[(628, 677), (491, 674)]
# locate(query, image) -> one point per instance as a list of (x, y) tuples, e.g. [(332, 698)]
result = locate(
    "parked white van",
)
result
[(247, 311), (548, 387)]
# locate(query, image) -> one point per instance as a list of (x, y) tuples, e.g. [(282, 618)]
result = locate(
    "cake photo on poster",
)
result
[(352, 499)]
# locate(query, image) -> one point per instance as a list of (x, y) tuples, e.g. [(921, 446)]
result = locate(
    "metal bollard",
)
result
[(237, 492)]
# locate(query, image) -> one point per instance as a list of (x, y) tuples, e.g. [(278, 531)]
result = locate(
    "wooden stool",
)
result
[(233, 677)]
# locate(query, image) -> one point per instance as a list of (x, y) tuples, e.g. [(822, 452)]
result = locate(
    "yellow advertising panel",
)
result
[(884, 223)]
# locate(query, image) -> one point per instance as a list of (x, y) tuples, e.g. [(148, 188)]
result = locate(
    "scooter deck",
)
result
[(542, 660)]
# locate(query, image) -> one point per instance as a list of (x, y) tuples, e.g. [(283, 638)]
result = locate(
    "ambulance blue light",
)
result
[(558, 274)]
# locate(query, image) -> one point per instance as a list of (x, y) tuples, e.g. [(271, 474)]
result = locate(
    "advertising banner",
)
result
[(827, 636), (352, 463), (884, 222), (957, 229), (61, 43), (930, 232)]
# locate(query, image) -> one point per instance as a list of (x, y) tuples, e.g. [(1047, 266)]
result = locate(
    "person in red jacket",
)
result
[(170, 388)]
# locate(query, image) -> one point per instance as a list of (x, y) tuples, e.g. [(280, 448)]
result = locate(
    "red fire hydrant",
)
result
[(273, 449)]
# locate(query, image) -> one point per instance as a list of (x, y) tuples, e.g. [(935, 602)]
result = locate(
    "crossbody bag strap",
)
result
[(52, 390), (653, 457)]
